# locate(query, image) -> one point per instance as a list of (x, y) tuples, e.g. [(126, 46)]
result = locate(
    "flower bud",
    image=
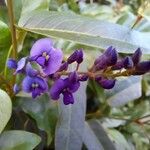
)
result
[(128, 63), (11, 63), (107, 83), (76, 56), (16, 89), (137, 56), (63, 67), (142, 68)]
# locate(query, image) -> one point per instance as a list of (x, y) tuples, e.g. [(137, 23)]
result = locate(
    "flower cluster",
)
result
[(46, 63)]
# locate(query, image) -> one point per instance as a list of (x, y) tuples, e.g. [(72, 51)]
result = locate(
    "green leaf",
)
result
[(69, 130), (18, 140), (4, 34), (125, 90), (90, 139), (85, 30), (43, 111), (119, 140), (5, 109), (101, 134)]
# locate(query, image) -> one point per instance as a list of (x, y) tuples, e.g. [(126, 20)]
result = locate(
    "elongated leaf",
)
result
[(70, 127), (85, 30), (18, 140), (101, 135), (90, 140), (125, 91), (5, 109)]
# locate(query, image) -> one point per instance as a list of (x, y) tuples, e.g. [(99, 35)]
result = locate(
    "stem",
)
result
[(138, 19), (12, 27)]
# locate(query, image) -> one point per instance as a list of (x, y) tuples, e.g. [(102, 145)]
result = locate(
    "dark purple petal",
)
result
[(36, 92), (21, 64), (30, 71), (101, 62), (73, 77), (11, 63), (63, 67), (136, 57), (107, 83), (68, 98), (111, 55), (80, 56), (40, 46), (16, 89), (57, 88), (128, 63), (118, 65), (73, 87), (41, 61), (54, 62), (143, 67), (73, 57), (76, 56)]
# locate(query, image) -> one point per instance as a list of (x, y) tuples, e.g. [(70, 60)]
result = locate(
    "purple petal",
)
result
[(73, 87), (16, 89), (83, 77), (11, 63), (21, 64), (27, 83), (136, 57), (63, 67), (80, 56), (41, 61), (128, 63), (57, 88), (118, 65), (73, 77), (36, 92), (68, 98), (54, 62), (107, 83), (30, 71), (42, 83), (143, 67), (40, 46), (73, 57)]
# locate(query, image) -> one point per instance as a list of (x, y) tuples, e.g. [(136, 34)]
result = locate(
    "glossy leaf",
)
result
[(125, 90), (18, 140), (5, 109), (85, 30), (69, 130)]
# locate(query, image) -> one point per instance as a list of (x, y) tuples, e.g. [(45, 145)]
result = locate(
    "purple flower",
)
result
[(46, 55), (34, 85), (106, 83), (76, 56), (136, 57), (11, 63), (108, 58), (66, 87)]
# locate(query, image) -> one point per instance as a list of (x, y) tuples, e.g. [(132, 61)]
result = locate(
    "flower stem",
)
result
[(12, 28)]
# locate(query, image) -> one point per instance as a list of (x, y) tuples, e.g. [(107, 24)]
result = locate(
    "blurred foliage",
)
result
[(127, 126)]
